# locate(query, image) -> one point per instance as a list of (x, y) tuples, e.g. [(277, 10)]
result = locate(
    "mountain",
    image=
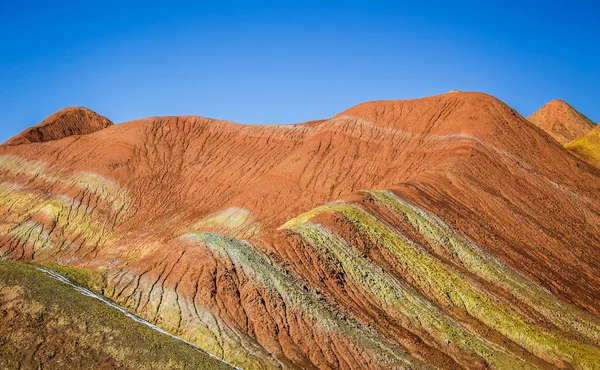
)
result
[(64, 123), (562, 121), (587, 147), (445, 232)]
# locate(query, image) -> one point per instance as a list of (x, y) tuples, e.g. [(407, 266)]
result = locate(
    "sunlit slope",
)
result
[(453, 274), (587, 147), (563, 122), (276, 247)]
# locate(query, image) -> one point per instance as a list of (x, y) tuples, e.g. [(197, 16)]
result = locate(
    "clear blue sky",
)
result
[(288, 61)]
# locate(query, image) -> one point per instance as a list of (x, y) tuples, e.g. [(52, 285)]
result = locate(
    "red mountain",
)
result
[(447, 231), (67, 122)]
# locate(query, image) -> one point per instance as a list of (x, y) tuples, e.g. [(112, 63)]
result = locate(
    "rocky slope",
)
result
[(443, 232), (562, 121), (64, 123)]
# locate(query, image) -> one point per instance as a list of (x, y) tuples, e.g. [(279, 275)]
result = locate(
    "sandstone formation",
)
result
[(562, 121), (444, 232)]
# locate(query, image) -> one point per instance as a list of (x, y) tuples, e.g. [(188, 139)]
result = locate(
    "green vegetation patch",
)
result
[(92, 280)]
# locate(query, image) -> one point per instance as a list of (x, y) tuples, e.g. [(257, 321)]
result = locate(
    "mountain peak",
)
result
[(66, 122), (563, 122), (472, 113)]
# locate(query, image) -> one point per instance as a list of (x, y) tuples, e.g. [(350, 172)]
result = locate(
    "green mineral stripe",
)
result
[(400, 300), (477, 261), (102, 187), (243, 254), (446, 284)]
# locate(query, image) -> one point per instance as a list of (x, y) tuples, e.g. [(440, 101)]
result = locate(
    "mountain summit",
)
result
[(561, 121), (64, 123)]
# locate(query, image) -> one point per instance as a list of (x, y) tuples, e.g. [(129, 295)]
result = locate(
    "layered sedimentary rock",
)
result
[(49, 325), (561, 121), (441, 232)]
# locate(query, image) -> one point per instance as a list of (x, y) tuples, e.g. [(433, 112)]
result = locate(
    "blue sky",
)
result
[(288, 61)]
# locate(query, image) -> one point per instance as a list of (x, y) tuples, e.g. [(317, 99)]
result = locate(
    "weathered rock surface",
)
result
[(441, 232)]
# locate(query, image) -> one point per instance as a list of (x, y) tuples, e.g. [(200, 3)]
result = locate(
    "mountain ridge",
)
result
[(258, 243)]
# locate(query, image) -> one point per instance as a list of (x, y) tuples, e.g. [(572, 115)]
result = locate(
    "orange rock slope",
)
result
[(444, 232), (562, 121)]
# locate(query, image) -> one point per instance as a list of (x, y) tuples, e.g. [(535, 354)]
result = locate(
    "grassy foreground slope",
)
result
[(48, 324)]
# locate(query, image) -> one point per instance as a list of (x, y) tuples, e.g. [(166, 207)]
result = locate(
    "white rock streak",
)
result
[(132, 316)]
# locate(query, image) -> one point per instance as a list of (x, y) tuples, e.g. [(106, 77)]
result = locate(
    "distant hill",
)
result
[(562, 121), (64, 123)]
